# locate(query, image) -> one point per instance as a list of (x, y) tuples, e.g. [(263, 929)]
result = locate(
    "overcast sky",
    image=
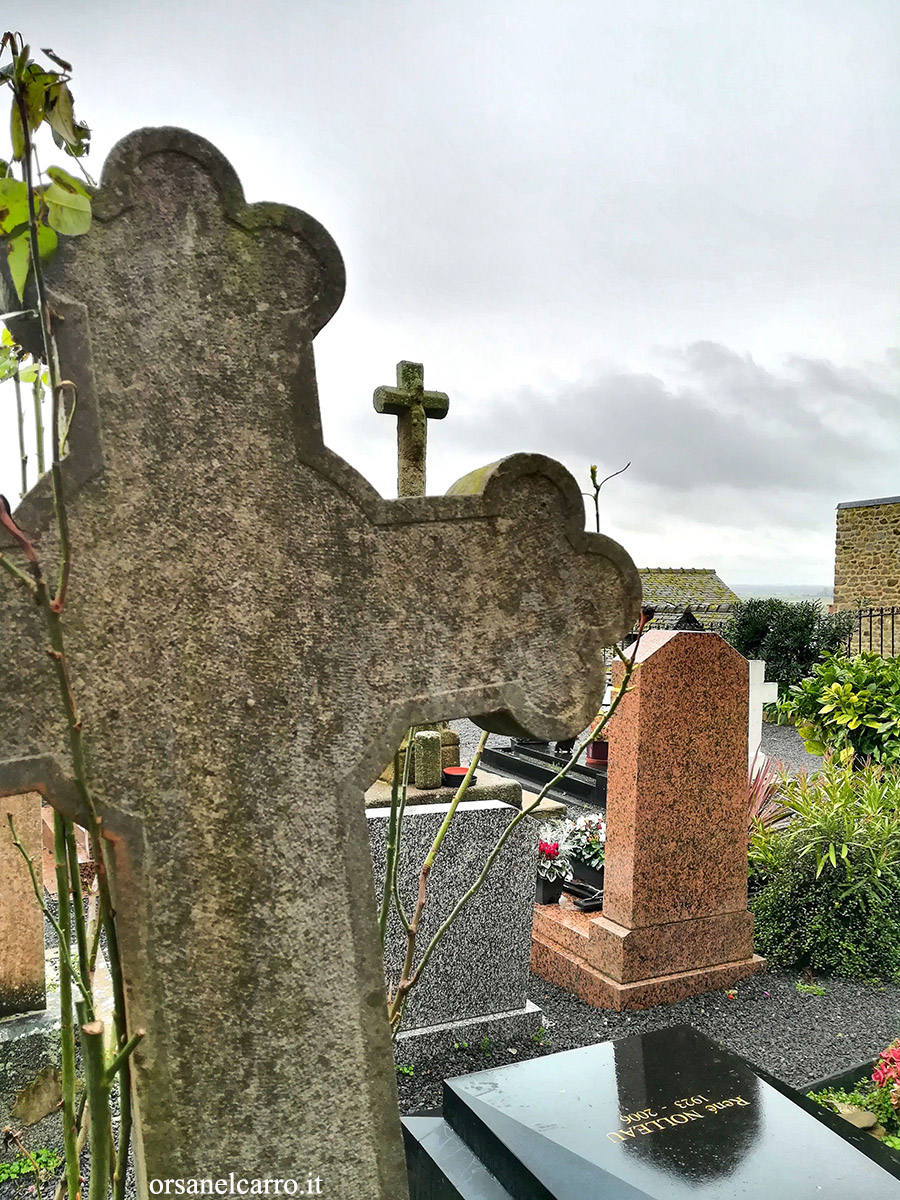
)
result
[(658, 231)]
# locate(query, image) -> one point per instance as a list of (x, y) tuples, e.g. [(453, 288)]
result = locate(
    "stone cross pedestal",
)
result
[(675, 919), (242, 649)]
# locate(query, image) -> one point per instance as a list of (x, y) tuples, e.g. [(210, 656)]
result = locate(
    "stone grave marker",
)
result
[(761, 693), (665, 1115), (22, 986), (413, 407), (241, 648), (675, 919), (476, 982)]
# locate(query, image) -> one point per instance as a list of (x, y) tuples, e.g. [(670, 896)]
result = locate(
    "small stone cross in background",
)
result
[(412, 406)]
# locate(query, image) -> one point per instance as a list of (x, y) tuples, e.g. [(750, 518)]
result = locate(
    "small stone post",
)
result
[(428, 759)]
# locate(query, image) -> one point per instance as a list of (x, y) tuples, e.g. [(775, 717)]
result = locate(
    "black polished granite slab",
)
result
[(658, 1116)]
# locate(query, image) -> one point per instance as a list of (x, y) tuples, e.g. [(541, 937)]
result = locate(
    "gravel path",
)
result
[(796, 1037), (781, 742)]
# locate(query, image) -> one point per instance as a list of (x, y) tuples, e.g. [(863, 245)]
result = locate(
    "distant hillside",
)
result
[(784, 591)]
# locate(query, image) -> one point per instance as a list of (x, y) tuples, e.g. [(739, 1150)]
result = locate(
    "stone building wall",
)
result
[(867, 554)]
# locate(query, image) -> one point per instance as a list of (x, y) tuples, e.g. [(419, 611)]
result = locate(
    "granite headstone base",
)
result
[(479, 972), (611, 967), (660, 1116)]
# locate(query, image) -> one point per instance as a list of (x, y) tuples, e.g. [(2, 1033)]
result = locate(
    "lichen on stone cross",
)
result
[(236, 621), (412, 406)]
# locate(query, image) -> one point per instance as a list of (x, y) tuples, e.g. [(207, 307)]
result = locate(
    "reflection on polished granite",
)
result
[(657, 1116)]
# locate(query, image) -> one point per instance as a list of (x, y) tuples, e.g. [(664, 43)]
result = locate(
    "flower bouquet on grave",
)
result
[(877, 1099), (586, 840), (554, 862)]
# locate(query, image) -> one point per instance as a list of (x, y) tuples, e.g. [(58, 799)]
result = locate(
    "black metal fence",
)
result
[(876, 630)]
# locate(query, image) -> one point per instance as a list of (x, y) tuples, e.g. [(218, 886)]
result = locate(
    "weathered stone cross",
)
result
[(412, 406), (242, 650)]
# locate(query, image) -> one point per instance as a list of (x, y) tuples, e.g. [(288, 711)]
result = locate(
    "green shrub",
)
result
[(851, 706), (804, 921), (790, 637), (828, 882)]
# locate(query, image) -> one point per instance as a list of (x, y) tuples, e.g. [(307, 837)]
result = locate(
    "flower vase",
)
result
[(548, 890)]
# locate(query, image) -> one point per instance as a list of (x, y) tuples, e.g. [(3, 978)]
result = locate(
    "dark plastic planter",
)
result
[(548, 890), (453, 777), (843, 1080), (593, 876), (597, 754)]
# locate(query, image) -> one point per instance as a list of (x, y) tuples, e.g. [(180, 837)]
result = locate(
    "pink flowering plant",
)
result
[(554, 852), (586, 838), (879, 1095)]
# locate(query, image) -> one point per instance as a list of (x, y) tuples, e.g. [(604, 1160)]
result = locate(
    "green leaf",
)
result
[(68, 182), (59, 112), (17, 133), (18, 256), (13, 204), (35, 93), (28, 374), (47, 243), (67, 211), (79, 148)]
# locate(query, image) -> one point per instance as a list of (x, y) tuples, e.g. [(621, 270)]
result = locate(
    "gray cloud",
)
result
[(717, 433)]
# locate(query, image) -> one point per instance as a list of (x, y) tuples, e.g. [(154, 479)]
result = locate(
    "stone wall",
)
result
[(867, 554)]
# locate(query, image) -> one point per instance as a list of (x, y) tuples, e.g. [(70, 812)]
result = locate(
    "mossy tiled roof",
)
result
[(697, 587)]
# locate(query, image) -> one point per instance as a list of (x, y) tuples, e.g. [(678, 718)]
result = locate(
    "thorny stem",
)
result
[(82, 1122), (81, 938), (67, 1031), (37, 395), (97, 1085), (65, 950), (404, 790), (52, 609), (129, 1047), (391, 851), (398, 1002), (20, 416), (595, 496), (18, 575)]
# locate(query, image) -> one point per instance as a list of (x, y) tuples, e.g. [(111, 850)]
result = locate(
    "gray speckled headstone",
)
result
[(480, 968), (242, 651)]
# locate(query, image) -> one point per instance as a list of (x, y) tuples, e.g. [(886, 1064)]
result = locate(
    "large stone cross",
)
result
[(243, 652), (412, 406)]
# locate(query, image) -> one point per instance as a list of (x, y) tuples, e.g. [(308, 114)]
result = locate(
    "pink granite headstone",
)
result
[(675, 919)]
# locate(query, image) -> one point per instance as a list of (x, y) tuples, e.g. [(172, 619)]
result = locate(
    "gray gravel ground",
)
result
[(781, 742), (796, 1037)]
